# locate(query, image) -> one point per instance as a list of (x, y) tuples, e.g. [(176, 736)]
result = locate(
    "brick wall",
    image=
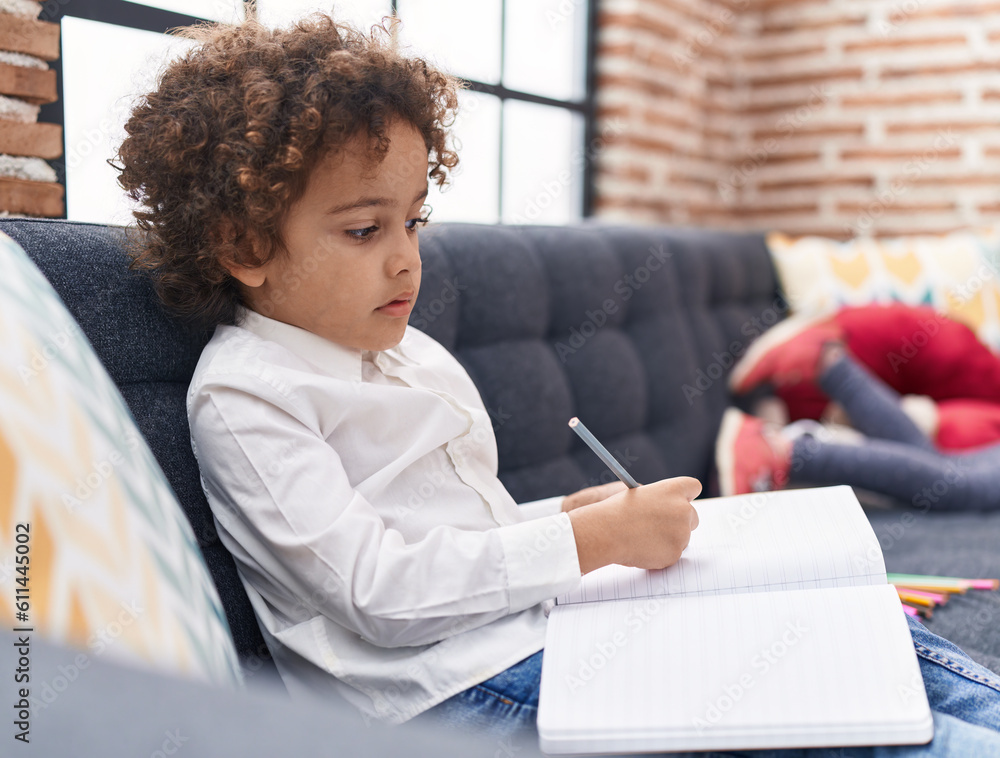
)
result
[(26, 83), (833, 117)]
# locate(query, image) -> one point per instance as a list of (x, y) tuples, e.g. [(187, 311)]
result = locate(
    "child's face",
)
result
[(351, 267)]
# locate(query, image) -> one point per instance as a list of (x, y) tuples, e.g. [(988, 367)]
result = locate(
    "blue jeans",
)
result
[(964, 698)]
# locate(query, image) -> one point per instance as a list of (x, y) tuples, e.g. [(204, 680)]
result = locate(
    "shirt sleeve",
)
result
[(539, 508), (309, 534)]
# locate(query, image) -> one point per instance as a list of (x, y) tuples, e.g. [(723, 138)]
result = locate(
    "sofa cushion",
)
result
[(106, 559)]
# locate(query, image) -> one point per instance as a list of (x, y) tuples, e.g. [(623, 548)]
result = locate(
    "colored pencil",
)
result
[(920, 593), (914, 599), (944, 581), (935, 597), (933, 588), (986, 584)]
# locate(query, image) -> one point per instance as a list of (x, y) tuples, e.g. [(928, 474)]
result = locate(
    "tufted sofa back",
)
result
[(631, 329)]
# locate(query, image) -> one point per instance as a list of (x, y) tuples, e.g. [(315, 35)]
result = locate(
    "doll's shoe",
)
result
[(748, 457), (785, 354)]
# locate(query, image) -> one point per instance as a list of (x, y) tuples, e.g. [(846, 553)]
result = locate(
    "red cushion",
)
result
[(963, 424), (917, 351)]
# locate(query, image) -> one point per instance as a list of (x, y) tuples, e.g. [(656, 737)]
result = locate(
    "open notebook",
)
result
[(777, 628)]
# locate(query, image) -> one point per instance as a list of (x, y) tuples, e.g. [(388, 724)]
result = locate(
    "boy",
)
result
[(283, 173), (288, 178)]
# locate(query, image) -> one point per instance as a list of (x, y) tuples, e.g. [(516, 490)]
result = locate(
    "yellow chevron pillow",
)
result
[(958, 274), (94, 549)]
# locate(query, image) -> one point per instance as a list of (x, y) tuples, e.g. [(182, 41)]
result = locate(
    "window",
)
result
[(96, 113), (523, 121)]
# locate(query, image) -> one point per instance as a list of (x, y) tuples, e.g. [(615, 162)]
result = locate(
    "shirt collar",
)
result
[(332, 359), (329, 357)]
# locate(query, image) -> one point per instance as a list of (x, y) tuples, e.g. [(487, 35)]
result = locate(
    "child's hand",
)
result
[(592, 495), (647, 527)]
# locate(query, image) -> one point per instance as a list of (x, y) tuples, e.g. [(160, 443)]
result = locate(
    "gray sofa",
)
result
[(631, 329)]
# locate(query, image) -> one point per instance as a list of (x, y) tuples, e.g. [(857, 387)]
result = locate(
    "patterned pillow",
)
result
[(958, 274), (94, 549)]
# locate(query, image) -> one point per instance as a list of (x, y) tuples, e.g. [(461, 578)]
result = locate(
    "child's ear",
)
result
[(234, 249), (248, 276)]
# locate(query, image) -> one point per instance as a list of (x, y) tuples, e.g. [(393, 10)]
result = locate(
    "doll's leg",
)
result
[(925, 478), (873, 407)]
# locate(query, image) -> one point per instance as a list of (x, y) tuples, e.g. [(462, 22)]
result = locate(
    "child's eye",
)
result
[(411, 224), (362, 234)]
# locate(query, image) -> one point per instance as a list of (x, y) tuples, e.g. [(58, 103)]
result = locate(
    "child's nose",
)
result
[(405, 255)]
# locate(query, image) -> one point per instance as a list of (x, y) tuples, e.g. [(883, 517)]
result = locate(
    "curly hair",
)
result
[(217, 154)]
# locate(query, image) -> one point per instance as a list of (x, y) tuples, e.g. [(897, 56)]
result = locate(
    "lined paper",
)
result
[(831, 667), (793, 539)]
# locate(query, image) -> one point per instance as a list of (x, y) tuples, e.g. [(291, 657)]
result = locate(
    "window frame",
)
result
[(147, 18)]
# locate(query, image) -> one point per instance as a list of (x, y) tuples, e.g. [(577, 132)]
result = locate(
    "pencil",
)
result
[(909, 597), (602, 452), (933, 588), (936, 597), (944, 583), (917, 610)]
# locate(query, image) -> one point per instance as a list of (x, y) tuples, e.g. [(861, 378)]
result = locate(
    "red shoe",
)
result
[(746, 459), (785, 354)]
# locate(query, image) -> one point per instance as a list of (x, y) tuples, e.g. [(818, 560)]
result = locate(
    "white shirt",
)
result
[(358, 493)]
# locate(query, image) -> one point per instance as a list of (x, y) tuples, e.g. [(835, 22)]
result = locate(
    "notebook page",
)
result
[(831, 667), (793, 539)]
